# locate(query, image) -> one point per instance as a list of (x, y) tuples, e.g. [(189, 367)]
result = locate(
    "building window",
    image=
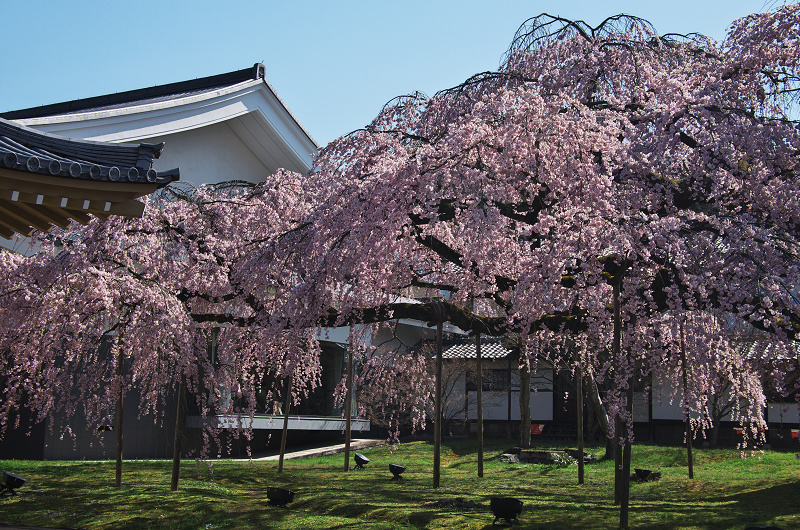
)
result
[(495, 379)]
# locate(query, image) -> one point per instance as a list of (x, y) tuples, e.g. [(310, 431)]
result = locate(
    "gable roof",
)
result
[(46, 179), (243, 99), (140, 96)]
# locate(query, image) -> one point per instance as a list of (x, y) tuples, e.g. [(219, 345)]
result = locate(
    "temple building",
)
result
[(226, 127)]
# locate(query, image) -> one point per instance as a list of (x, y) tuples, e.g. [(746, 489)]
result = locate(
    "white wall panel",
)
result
[(783, 413), (495, 406)]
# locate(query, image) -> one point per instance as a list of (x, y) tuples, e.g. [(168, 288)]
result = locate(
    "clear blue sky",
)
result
[(335, 63)]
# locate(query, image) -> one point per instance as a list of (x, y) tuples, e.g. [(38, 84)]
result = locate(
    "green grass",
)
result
[(728, 492)]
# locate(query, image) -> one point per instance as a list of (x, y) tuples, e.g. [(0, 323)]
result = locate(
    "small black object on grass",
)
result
[(361, 461), (11, 482), (396, 470), (645, 475), (507, 508), (279, 496)]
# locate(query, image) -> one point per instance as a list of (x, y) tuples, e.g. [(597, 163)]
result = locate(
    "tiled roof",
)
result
[(466, 350), (144, 98), (47, 179), (31, 151), (140, 96), (769, 349)]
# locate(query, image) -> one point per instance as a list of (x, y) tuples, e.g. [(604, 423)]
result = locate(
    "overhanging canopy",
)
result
[(48, 180)]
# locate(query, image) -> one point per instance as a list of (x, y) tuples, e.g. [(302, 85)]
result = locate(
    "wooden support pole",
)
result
[(524, 395), (617, 461), (616, 347), (479, 377), (437, 433), (120, 366), (348, 409), (688, 421), (287, 403), (176, 440), (509, 426), (579, 377), (626, 462)]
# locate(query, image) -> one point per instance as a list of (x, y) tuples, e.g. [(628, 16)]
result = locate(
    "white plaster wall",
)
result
[(641, 407), (541, 406), (666, 406), (495, 406), (541, 379), (402, 335), (340, 335), (456, 397), (209, 155), (783, 413), (669, 407)]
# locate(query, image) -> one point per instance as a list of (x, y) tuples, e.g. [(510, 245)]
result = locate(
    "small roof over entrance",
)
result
[(48, 180)]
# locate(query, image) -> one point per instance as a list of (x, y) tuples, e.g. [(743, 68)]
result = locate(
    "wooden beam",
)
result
[(5, 231), (8, 219), (127, 208), (56, 215), (71, 188), (79, 216), (25, 214)]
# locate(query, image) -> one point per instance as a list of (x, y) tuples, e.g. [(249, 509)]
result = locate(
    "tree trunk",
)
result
[(600, 413), (120, 366), (348, 409), (479, 369), (524, 395), (623, 460), (287, 403), (437, 433), (712, 436), (176, 440), (579, 380)]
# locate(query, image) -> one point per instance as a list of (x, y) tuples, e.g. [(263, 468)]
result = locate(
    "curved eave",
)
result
[(241, 105), (31, 201)]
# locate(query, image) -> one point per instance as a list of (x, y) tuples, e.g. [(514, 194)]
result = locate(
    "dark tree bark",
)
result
[(600, 413), (623, 452)]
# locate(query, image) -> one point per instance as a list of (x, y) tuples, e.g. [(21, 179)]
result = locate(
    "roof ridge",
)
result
[(257, 71)]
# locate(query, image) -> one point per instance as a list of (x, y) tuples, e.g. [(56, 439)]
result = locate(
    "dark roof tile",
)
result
[(31, 151), (154, 93), (466, 350)]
